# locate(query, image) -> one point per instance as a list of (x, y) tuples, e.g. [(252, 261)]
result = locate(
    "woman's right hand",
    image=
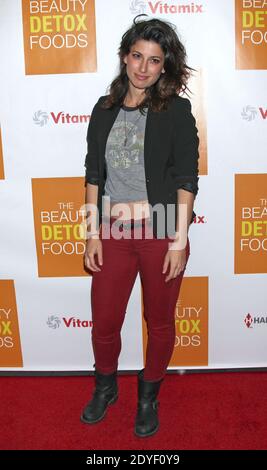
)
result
[(93, 247)]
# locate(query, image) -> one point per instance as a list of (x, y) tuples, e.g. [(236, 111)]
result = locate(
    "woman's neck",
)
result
[(133, 99)]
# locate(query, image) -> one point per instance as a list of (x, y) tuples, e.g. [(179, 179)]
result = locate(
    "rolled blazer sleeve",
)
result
[(91, 159), (186, 143)]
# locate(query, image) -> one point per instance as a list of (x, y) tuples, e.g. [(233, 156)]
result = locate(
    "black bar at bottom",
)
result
[(119, 459)]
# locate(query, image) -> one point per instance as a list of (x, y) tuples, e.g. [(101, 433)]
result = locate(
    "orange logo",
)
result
[(59, 37), (10, 348), (251, 34), (2, 174), (59, 226), (250, 223), (191, 320), (196, 85)]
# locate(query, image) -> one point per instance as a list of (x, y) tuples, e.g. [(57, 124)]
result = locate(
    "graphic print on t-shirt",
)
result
[(118, 155), (125, 158)]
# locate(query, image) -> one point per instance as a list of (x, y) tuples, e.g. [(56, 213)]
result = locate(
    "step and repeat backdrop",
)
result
[(57, 58)]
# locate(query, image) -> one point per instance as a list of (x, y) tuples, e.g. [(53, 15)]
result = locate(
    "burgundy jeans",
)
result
[(110, 292)]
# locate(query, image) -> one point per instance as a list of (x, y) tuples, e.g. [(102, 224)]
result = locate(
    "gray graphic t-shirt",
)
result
[(125, 157)]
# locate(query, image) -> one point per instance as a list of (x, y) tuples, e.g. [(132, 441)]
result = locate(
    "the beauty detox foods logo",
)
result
[(60, 227), (59, 36), (191, 324), (251, 34), (250, 223), (10, 348)]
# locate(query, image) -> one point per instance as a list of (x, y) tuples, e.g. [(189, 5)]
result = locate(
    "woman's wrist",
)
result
[(178, 242), (175, 247), (92, 235), (93, 232)]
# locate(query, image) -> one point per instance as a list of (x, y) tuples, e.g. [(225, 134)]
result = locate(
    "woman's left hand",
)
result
[(176, 260)]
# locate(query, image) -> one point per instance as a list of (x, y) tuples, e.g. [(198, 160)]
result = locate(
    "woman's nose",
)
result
[(143, 66)]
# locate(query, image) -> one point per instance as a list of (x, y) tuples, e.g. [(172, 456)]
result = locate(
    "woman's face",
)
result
[(144, 63)]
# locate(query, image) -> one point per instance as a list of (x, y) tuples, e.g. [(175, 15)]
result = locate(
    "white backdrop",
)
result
[(236, 145)]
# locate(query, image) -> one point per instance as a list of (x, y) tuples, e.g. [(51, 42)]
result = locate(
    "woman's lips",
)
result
[(141, 77)]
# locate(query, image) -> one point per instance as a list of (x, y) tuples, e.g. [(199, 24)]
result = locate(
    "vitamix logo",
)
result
[(251, 321), (249, 113), (137, 7), (156, 8), (41, 118), (54, 322)]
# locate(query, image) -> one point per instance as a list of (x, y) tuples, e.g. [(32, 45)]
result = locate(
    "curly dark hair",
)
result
[(177, 72)]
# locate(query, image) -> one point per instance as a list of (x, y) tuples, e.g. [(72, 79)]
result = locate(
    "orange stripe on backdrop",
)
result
[(10, 346), (58, 41), (197, 87), (2, 174)]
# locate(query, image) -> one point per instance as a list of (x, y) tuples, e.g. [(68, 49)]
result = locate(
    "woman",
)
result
[(143, 158)]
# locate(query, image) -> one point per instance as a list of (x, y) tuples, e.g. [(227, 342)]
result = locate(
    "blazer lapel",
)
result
[(153, 131), (148, 138), (106, 125)]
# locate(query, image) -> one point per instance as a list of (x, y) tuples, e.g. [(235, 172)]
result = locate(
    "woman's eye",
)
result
[(155, 61)]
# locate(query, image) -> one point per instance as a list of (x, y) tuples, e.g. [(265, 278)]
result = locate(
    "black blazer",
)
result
[(170, 156)]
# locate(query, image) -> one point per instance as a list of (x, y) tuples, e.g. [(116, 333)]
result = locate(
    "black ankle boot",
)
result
[(105, 393), (147, 422)]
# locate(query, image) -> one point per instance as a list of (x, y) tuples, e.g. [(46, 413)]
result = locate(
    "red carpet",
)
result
[(197, 411)]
